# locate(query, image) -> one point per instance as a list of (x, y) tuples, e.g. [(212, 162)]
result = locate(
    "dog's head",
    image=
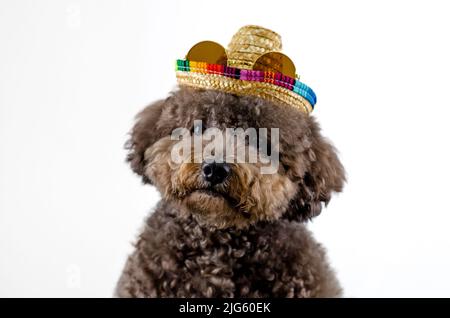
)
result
[(233, 193)]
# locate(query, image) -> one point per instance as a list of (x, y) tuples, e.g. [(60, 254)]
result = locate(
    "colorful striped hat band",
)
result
[(252, 65)]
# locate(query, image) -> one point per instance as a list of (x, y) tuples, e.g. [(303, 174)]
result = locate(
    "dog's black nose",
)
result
[(215, 172)]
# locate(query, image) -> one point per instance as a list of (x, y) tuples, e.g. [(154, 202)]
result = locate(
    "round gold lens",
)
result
[(209, 52), (275, 62)]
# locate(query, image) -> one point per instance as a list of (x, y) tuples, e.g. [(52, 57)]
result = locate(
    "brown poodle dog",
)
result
[(227, 230)]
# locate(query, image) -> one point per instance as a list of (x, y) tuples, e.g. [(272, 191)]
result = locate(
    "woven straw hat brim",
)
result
[(239, 87)]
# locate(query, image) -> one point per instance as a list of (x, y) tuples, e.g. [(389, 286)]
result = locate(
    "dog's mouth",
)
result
[(216, 194), (212, 192)]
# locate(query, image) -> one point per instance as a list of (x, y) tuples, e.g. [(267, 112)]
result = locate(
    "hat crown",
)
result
[(251, 48), (249, 43)]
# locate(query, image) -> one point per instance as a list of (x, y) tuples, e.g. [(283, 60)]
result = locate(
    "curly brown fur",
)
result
[(247, 239), (177, 257)]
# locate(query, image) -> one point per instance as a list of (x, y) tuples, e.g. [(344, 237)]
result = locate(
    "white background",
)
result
[(74, 73)]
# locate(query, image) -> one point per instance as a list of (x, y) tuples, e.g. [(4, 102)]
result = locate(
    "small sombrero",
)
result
[(252, 65)]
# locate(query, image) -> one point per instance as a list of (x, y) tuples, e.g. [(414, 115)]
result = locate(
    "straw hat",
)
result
[(252, 65)]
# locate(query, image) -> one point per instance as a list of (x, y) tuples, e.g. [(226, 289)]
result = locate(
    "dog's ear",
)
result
[(323, 175), (144, 133)]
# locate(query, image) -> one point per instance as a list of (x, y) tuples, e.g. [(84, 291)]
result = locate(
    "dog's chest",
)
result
[(238, 263)]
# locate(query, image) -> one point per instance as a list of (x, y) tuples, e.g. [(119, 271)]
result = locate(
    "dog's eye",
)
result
[(198, 128)]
